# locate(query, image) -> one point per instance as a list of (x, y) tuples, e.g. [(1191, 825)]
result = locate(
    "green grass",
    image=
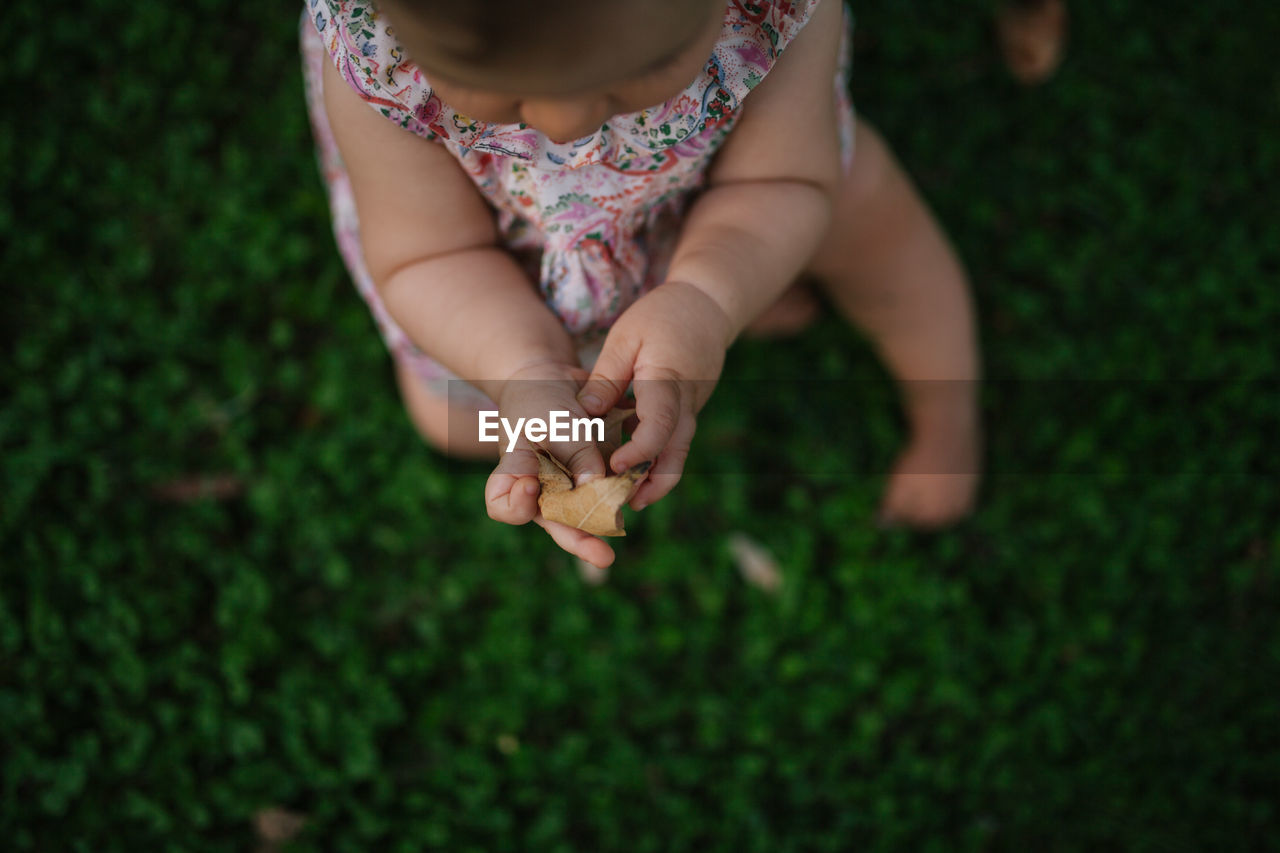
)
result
[(1091, 662)]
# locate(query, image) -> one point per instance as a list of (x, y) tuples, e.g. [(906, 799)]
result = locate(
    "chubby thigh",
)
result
[(445, 421)]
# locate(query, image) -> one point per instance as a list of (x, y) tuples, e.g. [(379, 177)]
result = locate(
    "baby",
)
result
[(559, 200)]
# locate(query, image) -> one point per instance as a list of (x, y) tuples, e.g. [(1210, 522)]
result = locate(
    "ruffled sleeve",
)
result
[(754, 35), (363, 47)]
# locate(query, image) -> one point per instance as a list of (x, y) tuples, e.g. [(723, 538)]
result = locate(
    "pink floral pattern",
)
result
[(595, 220)]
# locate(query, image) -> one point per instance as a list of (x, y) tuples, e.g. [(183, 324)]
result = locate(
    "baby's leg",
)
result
[(888, 268), (430, 413), (794, 311)]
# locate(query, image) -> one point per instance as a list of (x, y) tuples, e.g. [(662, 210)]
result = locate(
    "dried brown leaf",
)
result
[(552, 475), (275, 825), (756, 565), (594, 507)]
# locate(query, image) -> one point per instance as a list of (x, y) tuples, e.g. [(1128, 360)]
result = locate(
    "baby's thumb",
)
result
[(609, 376), (511, 494)]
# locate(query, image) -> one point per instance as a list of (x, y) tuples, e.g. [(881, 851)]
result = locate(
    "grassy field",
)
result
[(233, 578)]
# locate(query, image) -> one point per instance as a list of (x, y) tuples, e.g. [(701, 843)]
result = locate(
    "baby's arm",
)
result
[(745, 240), (430, 245), (771, 186)]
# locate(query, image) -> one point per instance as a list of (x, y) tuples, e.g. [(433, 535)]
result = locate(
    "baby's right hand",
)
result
[(511, 495)]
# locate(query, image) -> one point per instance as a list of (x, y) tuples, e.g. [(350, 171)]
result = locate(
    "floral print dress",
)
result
[(595, 220)]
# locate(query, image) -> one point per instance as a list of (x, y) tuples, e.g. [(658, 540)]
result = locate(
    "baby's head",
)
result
[(563, 67)]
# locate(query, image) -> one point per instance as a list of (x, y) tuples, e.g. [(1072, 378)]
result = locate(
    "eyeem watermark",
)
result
[(559, 427)]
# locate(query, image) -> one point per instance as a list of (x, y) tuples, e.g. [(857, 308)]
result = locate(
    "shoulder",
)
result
[(778, 20), (756, 33), (771, 24), (363, 48), (789, 128)]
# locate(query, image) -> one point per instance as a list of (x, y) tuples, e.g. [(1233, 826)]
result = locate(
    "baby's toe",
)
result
[(898, 506), (927, 501)]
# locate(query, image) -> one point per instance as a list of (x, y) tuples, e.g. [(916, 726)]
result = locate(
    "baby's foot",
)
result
[(795, 310), (1032, 34), (934, 481)]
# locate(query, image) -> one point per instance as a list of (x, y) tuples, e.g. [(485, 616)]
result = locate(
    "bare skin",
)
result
[(887, 268), (1032, 36), (772, 196)]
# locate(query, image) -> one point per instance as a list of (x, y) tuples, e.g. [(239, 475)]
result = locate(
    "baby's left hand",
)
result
[(671, 343)]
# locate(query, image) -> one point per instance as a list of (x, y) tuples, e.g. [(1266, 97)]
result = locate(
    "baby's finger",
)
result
[(669, 467), (583, 460), (511, 499), (511, 494), (578, 543), (609, 376), (659, 409)]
